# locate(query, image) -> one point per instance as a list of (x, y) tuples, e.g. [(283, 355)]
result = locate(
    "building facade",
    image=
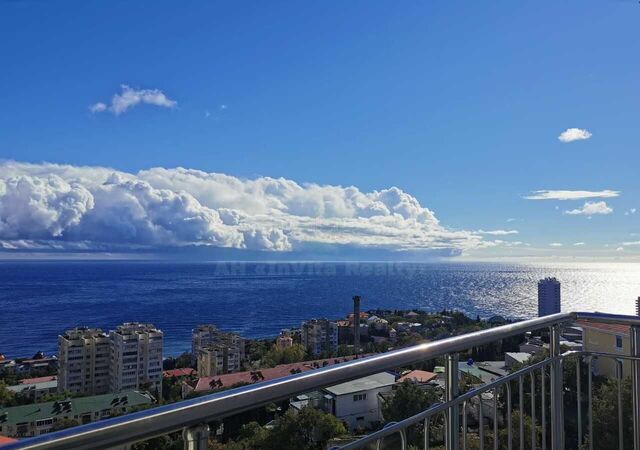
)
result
[(84, 356), (215, 351), (357, 403), (320, 336), (136, 358), (548, 297), (39, 418)]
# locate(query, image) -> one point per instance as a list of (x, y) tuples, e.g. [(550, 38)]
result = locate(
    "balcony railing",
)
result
[(191, 416)]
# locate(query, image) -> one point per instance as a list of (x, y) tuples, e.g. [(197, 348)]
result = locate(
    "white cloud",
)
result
[(578, 244), (98, 208), (130, 97), (570, 195), (98, 107), (631, 243), (555, 244), (574, 134), (591, 209), (630, 212), (620, 249), (511, 219), (498, 232)]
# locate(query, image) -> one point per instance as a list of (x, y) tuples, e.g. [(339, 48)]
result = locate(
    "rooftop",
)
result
[(419, 376), (230, 379), (376, 381), (607, 327), (73, 406)]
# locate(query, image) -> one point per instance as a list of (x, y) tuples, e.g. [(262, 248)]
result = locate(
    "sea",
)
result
[(41, 299)]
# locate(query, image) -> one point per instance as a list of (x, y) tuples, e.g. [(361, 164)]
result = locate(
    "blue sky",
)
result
[(458, 104)]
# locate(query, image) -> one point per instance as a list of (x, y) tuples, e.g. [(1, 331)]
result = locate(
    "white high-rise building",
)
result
[(136, 358), (548, 296), (320, 336), (84, 356)]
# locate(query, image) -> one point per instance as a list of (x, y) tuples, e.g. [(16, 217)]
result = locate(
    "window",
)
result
[(618, 342), (359, 397)]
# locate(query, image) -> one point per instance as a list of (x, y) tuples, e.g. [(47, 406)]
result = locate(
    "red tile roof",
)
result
[(610, 327), (419, 376), (37, 380), (6, 440), (183, 372), (205, 383)]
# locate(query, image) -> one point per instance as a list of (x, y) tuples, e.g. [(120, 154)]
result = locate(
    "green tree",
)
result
[(307, 429), (7, 398), (408, 399)]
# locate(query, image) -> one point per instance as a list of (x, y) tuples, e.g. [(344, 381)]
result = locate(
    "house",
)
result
[(35, 389), (481, 372), (39, 418), (357, 402), (418, 376), (411, 315), (206, 384), (608, 338), (513, 358), (179, 373)]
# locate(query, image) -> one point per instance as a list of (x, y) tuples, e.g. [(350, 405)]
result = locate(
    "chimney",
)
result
[(356, 324)]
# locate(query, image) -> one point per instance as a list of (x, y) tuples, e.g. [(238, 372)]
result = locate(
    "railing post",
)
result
[(196, 438), (635, 384), (451, 392), (557, 427)]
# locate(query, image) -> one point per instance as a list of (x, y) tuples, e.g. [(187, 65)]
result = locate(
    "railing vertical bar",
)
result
[(481, 422), (196, 438), (579, 399), (543, 406), (620, 429), (509, 419), (521, 410), (403, 439), (557, 427), (533, 410), (495, 418), (451, 391), (590, 410), (464, 425), (635, 384), (427, 424)]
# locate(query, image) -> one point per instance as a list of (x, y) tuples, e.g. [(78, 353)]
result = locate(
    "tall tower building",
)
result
[(136, 357), (84, 357), (548, 296)]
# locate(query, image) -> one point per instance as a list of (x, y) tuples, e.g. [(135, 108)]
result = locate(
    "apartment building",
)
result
[(136, 358), (320, 336), (548, 297), (215, 351), (607, 338), (84, 358)]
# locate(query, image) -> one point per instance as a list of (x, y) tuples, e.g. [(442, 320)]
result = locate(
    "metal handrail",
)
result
[(158, 421)]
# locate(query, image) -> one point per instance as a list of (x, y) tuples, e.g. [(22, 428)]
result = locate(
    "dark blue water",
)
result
[(39, 300)]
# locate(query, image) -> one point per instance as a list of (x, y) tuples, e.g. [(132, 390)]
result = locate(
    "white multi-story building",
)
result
[(215, 351), (136, 358), (84, 358), (320, 336), (548, 296)]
